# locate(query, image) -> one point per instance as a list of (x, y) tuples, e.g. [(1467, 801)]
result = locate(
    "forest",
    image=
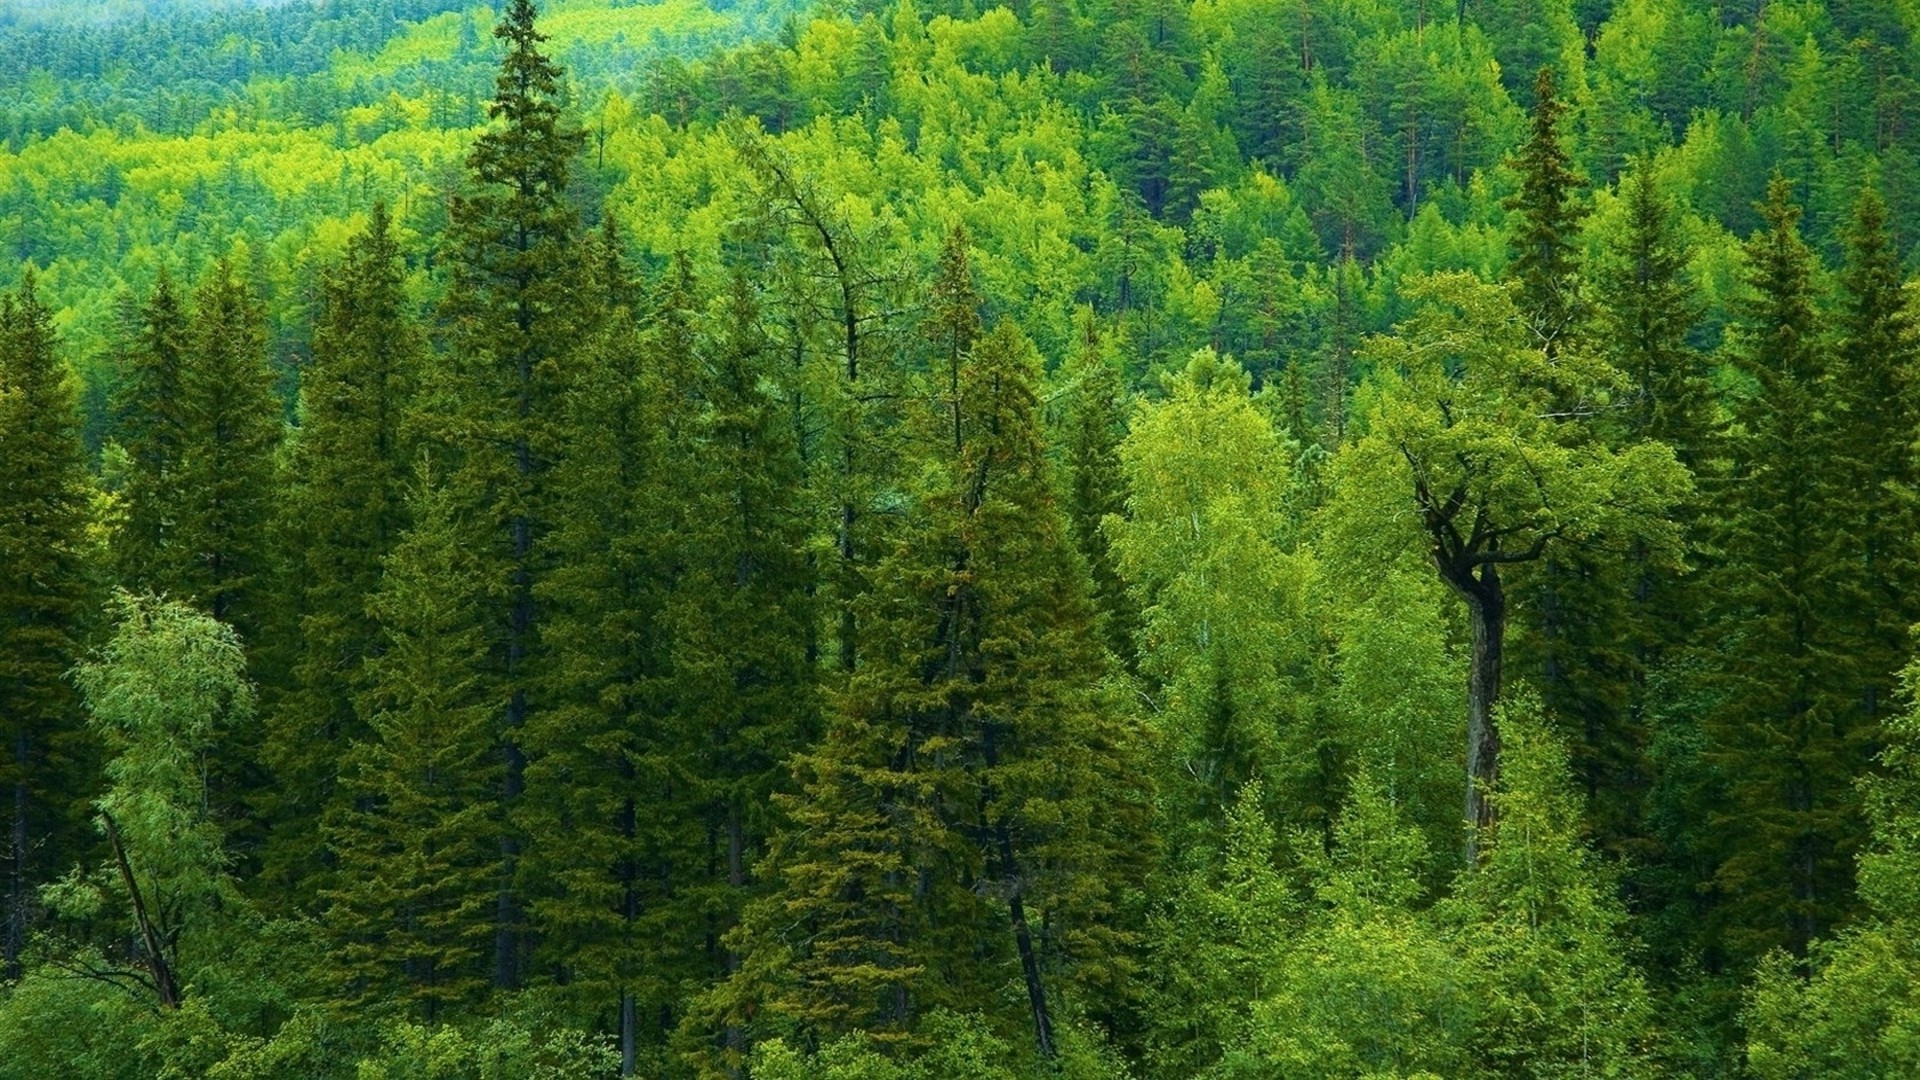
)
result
[(887, 540)]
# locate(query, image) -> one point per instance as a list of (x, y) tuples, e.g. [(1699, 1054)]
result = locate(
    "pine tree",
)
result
[(514, 309), (741, 620), (1784, 733), (1647, 310), (974, 774), (150, 410), (412, 889), (1635, 612), (1545, 239), (1096, 487), (605, 795), (218, 546), (1874, 465), (347, 510), (44, 592)]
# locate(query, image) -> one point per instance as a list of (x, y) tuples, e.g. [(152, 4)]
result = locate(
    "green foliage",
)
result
[(162, 694), (1784, 733), (415, 833), (44, 594), (1206, 547), (346, 510), (1855, 1015), (741, 679), (1541, 932)]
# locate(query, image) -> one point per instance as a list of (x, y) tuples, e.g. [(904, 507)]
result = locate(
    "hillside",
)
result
[(1100, 538)]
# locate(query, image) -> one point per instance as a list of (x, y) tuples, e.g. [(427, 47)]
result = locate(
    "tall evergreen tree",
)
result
[(412, 891), (44, 588), (150, 410), (346, 512), (1544, 241), (1647, 309), (741, 620), (974, 774), (1784, 734), (514, 309), (606, 794), (1096, 487), (226, 490), (1876, 410)]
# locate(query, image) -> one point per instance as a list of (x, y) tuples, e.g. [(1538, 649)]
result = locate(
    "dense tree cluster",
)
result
[(1258, 541)]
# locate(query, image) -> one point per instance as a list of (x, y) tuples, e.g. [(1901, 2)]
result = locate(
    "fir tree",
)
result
[(347, 510), (1647, 311), (1784, 733), (44, 589), (412, 890), (974, 773), (605, 793), (1096, 486), (1874, 465), (151, 421), (513, 305), (219, 543), (1544, 243), (741, 621), (1628, 614)]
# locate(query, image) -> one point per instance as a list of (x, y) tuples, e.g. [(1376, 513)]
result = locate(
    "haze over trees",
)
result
[(1102, 538)]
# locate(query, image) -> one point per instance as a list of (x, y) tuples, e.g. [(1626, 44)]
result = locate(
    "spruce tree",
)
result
[(514, 310), (1096, 487), (1545, 239), (347, 510), (1579, 636), (150, 409), (1874, 468), (1784, 733), (605, 796), (975, 805), (1647, 309), (218, 549), (44, 592), (740, 617), (411, 893)]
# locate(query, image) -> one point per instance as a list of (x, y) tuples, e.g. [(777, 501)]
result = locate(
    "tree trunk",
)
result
[(629, 1031), (16, 933), (1029, 961), (151, 938), (1487, 611)]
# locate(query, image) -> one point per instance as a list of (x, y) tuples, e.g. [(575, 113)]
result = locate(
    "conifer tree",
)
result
[(973, 775), (741, 620), (514, 309), (1545, 239), (1625, 614), (1647, 309), (1851, 1017), (1096, 487), (44, 589), (227, 468), (1785, 733), (150, 410), (1578, 637), (412, 890), (606, 796), (1874, 465), (347, 510)]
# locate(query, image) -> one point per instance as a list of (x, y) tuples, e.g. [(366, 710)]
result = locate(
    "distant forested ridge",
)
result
[(1102, 538)]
